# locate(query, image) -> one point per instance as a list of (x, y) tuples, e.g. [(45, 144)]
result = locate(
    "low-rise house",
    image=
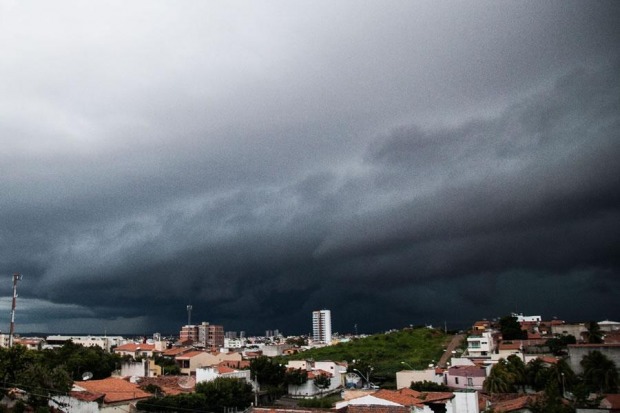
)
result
[(519, 404), (190, 361), (466, 377), (210, 373), (137, 350), (404, 378), (576, 353), (411, 401), (107, 395), (507, 348), (335, 371), (142, 368)]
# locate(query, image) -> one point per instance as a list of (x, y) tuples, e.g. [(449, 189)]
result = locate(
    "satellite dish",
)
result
[(87, 375), (186, 382)]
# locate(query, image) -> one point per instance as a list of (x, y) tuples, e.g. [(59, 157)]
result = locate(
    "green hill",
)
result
[(417, 347)]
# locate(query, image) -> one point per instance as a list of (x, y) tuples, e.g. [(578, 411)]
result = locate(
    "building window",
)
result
[(474, 344), (456, 380), (470, 381)]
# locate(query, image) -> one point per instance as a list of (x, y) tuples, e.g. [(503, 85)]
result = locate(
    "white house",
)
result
[(480, 345), (334, 371), (404, 378), (210, 373)]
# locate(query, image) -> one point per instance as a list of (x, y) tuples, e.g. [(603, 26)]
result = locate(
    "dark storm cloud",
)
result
[(409, 164)]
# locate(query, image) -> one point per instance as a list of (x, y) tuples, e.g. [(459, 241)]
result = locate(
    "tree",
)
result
[(226, 393), (296, 377), (537, 373), (599, 373), (550, 401), (269, 375), (426, 385), (557, 345), (594, 335), (500, 380), (517, 370), (511, 329), (322, 381), (29, 370)]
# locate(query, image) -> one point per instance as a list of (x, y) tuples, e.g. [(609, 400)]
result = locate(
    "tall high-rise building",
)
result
[(322, 326)]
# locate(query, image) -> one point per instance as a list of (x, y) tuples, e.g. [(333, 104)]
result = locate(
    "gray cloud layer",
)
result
[(410, 163)]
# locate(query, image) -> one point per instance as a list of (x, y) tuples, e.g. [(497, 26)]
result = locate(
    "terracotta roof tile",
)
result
[(136, 347), (115, 389), (513, 404), (190, 354)]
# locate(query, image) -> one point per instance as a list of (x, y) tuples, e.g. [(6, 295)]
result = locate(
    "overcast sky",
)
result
[(397, 162)]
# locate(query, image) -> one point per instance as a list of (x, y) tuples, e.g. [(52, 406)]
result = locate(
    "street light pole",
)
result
[(407, 364)]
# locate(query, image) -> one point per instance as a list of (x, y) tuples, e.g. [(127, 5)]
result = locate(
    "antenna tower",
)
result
[(189, 315), (16, 277)]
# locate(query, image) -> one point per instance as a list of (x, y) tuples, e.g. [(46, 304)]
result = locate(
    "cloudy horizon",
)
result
[(398, 163)]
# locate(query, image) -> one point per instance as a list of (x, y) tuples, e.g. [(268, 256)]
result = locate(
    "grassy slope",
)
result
[(385, 352)]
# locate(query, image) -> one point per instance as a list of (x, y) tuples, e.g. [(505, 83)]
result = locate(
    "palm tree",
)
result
[(594, 333), (500, 380), (600, 373), (516, 367)]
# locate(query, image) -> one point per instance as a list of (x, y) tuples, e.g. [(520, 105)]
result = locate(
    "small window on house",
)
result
[(470, 381), (456, 380)]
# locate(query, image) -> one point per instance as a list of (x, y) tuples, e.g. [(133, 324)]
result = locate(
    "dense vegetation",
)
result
[(382, 355), (512, 375), (45, 373), (220, 395)]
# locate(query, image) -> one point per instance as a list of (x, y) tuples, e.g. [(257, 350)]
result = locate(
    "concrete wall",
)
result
[(576, 352)]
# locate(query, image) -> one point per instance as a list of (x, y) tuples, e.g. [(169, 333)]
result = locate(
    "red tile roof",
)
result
[(513, 404), (467, 371), (135, 347), (408, 397), (190, 354), (115, 390), (611, 401), (175, 351)]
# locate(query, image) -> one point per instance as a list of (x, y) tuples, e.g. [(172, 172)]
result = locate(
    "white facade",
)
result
[(334, 370), (206, 374), (527, 318), (480, 345), (105, 342), (322, 326), (404, 378)]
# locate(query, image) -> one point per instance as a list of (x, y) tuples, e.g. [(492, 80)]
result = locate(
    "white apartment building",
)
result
[(480, 345), (322, 326)]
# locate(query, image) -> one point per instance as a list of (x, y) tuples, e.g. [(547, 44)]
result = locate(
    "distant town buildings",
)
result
[(322, 326)]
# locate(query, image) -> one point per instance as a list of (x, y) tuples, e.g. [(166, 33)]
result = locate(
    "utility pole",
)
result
[(16, 277)]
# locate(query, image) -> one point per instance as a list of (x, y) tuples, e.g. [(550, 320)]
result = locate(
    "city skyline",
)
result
[(401, 164)]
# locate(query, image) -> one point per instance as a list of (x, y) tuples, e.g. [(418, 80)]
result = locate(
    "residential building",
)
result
[(136, 350), (322, 326), (466, 377), (107, 395), (576, 352), (410, 401), (210, 373), (521, 318), (210, 336), (404, 378), (480, 345), (189, 334), (105, 342)]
